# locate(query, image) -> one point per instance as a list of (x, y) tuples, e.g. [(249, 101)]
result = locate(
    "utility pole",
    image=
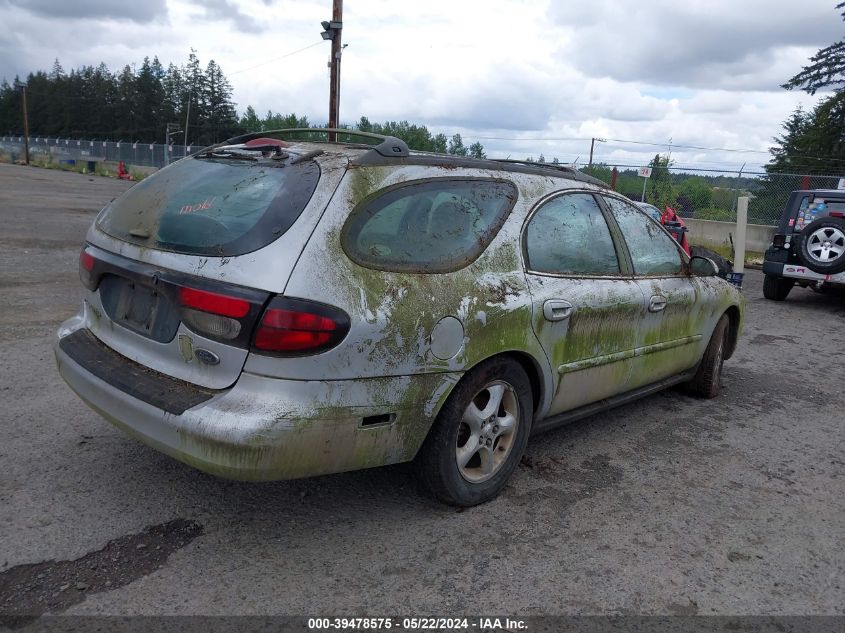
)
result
[(167, 140), (187, 119), (22, 86), (332, 31), (592, 147)]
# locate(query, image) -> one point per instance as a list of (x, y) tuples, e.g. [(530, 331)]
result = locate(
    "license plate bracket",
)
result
[(138, 307), (142, 308)]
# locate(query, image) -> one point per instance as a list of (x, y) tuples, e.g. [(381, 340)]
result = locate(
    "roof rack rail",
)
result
[(530, 163), (389, 145)]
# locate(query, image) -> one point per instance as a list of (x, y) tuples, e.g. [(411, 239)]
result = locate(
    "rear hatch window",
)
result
[(812, 209), (229, 202)]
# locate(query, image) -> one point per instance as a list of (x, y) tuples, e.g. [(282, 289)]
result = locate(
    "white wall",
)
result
[(758, 237)]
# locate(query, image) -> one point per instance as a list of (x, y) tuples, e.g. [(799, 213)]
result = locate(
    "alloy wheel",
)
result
[(826, 244), (487, 432)]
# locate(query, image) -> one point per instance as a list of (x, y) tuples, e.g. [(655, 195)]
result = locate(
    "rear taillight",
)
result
[(836, 214), (211, 313), (295, 327), (86, 268), (213, 302)]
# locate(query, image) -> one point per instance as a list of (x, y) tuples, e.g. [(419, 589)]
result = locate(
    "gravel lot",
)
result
[(669, 506)]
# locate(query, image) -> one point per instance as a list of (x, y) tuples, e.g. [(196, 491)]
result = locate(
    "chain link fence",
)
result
[(705, 194), (711, 194), (72, 151)]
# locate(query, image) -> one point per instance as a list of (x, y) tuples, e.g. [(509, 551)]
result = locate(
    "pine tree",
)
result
[(826, 68), (456, 146), (813, 142), (476, 150), (250, 121)]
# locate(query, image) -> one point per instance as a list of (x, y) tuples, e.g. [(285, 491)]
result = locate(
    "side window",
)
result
[(433, 226), (569, 235), (652, 250)]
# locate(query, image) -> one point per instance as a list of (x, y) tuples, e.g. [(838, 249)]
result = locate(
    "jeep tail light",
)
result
[(295, 327), (211, 313), (86, 269)]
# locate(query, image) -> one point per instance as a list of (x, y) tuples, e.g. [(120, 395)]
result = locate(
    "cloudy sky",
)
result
[(524, 77)]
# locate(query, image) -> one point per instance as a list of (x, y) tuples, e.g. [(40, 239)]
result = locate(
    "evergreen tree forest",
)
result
[(133, 104), (137, 103)]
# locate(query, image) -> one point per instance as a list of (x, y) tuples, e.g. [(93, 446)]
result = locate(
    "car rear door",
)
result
[(586, 308), (670, 336)]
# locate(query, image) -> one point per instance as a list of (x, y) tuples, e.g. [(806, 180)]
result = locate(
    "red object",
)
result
[(213, 302), (265, 141), (290, 331), (86, 260), (86, 267), (121, 171), (675, 225)]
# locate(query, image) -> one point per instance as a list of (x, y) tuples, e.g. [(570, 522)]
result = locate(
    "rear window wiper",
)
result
[(227, 153), (245, 153)]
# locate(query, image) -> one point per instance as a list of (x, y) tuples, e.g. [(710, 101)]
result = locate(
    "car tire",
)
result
[(722, 264), (707, 381), (821, 245), (468, 456), (777, 288)]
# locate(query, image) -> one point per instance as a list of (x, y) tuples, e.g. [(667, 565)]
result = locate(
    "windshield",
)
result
[(213, 206)]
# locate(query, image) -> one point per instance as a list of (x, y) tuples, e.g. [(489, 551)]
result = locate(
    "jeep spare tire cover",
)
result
[(821, 245)]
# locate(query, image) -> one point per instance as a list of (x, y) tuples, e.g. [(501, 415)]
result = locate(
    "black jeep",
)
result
[(809, 246)]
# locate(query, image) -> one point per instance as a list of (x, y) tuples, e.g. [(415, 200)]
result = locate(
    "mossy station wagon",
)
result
[(271, 309)]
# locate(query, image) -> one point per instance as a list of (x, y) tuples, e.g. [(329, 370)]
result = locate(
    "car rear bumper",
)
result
[(266, 428), (796, 271)]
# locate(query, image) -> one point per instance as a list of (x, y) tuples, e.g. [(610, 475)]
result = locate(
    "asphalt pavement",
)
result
[(671, 505)]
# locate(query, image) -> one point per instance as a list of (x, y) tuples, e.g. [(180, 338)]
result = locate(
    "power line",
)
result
[(676, 145), (620, 140), (664, 144), (275, 59), (504, 138)]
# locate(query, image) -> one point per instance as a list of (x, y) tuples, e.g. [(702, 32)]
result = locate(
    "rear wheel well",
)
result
[(529, 365), (733, 330)]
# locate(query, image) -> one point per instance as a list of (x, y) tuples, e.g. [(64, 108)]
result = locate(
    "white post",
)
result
[(739, 239)]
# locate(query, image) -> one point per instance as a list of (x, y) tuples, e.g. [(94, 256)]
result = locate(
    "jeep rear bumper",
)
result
[(802, 273)]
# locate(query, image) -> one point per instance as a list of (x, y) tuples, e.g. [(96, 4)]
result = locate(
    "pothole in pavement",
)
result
[(28, 591)]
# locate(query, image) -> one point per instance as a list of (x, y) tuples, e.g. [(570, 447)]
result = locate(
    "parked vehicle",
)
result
[(269, 310), (678, 229), (808, 249)]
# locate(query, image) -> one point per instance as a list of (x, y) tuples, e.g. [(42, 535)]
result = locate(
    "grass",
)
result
[(79, 167)]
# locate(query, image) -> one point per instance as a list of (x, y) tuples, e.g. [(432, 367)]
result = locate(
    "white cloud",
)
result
[(701, 73)]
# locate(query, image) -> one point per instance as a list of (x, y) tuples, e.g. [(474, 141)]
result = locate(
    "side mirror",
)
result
[(702, 267)]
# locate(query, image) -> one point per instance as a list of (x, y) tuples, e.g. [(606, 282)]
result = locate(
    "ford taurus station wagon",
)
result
[(269, 309)]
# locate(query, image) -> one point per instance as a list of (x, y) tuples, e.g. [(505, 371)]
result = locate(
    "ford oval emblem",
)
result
[(204, 356)]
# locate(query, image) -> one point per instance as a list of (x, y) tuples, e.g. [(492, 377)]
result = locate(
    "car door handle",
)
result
[(656, 303), (557, 310)]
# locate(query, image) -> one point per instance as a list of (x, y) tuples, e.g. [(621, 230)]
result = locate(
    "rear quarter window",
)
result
[(428, 226), (216, 207)]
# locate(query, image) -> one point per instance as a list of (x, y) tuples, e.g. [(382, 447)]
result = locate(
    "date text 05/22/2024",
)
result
[(480, 624)]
